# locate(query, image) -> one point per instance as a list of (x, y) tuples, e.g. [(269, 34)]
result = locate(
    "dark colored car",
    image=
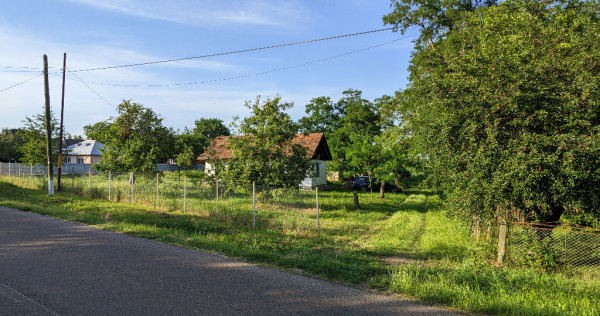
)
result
[(362, 183)]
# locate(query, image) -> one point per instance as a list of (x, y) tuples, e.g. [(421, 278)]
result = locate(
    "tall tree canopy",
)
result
[(135, 140), (191, 143), (265, 153), (353, 127), (34, 150), (11, 140), (506, 109)]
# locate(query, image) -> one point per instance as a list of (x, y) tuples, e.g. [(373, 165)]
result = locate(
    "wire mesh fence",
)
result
[(289, 209), (553, 247)]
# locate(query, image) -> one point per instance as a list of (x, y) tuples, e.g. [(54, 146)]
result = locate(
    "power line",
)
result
[(94, 91), (253, 74), (233, 52), (20, 83)]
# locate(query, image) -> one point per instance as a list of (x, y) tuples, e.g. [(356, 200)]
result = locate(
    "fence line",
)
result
[(553, 247)]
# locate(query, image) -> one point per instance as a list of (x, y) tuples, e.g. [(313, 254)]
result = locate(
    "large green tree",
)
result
[(191, 143), (353, 136), (11, 140), (136, 140), (505, 107), (265, 153), (34, 150)]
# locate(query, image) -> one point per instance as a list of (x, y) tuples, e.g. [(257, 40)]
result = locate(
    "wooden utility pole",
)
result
[(62, 111), (48, 129)]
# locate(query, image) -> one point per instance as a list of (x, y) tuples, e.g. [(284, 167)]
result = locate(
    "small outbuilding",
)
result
[(316, 148)]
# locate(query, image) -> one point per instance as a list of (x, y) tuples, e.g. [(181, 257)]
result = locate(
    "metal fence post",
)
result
[(109, 178), (73, 179), (253, 204), (318, 223), (9, 171), (90, 182), (156, 203), (565, 266), (217, 197), (19, 173), (184, 193), (131, 185), (31, 176)]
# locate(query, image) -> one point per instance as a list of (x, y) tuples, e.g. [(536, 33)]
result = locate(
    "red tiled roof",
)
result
[(315, 144)]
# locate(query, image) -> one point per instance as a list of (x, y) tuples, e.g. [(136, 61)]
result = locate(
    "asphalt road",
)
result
[(54, 267)]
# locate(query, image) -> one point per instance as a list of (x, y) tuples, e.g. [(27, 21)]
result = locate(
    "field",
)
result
[(404, 243)]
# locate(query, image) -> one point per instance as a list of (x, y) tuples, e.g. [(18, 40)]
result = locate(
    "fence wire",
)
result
[(551, 248)]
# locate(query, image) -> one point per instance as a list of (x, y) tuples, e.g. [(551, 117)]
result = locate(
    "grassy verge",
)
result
[(437, 255)]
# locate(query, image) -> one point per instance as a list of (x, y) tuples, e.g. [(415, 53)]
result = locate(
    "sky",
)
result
[(106, 33)]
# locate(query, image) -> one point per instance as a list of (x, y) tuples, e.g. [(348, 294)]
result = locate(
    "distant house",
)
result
[(316, 148), (85, 151)]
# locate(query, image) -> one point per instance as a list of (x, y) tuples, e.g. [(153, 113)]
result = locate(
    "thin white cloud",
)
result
[(210, 13)]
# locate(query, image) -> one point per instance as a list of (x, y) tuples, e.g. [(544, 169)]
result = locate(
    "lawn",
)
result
[(404, 243)]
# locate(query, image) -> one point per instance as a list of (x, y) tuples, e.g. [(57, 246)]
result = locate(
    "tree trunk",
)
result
[(356, 205), (382, 190)]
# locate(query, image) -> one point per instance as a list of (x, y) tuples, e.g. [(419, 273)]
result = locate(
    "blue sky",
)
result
[(99, 33)]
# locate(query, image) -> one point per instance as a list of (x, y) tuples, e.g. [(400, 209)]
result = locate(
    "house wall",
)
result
[(209, 169), (84, 159), (317, 176)]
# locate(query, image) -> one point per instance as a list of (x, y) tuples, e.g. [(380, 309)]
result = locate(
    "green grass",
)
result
[(443, 261)]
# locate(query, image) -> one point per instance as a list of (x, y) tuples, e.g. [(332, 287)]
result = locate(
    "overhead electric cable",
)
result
[(20, 83), (233, 52), (94, 91), (250, 75)]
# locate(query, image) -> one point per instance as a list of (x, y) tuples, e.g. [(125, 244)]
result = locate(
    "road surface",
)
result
[(54, 267)]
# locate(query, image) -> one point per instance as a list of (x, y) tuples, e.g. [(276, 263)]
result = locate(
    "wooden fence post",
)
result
[(502, 242)]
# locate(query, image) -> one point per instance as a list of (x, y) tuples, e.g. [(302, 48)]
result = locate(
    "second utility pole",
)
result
[(62, 111), (48, 129)]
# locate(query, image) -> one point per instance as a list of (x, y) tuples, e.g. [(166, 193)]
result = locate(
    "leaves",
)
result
[(506, 113)]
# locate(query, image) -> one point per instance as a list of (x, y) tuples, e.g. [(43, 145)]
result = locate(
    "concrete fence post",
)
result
[(217, 189), (318, 220), (184, 193), (502, 241), (90, 182), (156, 202), (109, 184), (253, 204), (131, 186)]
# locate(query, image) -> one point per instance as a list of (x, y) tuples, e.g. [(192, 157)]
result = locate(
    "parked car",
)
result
[(362, 183)]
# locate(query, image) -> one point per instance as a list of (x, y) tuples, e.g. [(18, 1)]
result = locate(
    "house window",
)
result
[(68, 160), (79, 160), (316, 171)]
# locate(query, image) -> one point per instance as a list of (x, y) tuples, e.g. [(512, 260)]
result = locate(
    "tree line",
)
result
[(501, 112)]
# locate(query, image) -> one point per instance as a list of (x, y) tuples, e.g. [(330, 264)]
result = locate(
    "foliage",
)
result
[(434, 18), (505, 108), (11, 141), (480, 289), (192, 143), (34, 150), (265, 154), (135, 140), (323, 116)]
